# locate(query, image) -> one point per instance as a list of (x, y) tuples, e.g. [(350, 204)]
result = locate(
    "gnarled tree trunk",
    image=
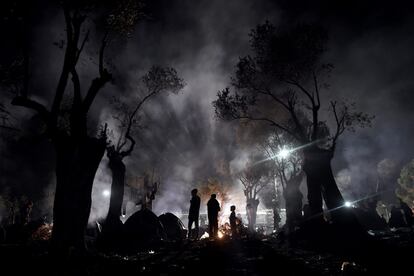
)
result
[(321, 182), (117, 187), (317, 166), (251, 211), (112, 237), (293, 200), (76, 166)]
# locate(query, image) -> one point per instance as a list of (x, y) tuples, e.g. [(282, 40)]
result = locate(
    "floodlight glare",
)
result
[(283, 153), (348, 204), (106, 193)]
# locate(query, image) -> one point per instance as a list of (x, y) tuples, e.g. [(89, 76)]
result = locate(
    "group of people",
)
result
[(213, 209)]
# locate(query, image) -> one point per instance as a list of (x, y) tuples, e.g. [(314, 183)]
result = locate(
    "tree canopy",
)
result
[(283, 83)]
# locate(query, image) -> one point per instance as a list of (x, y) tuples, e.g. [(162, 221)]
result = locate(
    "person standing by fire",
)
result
[(193, 214), (213, 208)]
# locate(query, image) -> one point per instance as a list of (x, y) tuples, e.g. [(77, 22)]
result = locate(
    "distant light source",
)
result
[(348, 204), (106, 193), (283, 153)]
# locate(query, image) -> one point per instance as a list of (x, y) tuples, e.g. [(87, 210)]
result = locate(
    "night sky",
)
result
[(371, 46)]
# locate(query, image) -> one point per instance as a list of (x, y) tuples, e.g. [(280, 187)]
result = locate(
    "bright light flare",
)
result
[(284, 153), (220, 235), (348, 204), (106, 193)]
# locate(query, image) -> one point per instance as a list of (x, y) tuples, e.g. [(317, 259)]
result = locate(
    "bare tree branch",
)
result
[(303, 90), (273, 123), (339, 120), (290, 107), (315, 106), (67, 64), (79, 51), (31, 104), (99, 82), (101, 54), (130, 123), (260, 187), (77, 97), (315, 82)]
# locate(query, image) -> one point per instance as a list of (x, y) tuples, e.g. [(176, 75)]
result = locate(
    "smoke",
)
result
[(175, 191), (181, 139)]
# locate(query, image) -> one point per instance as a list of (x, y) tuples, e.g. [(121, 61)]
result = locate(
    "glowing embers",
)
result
[(220, 235)]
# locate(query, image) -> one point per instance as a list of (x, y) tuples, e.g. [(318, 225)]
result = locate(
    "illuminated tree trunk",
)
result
[(76, 166), (251, 211), (113, 226), (117, 187)]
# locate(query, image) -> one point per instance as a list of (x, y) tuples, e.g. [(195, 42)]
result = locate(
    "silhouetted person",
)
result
[(408, 213), (213, 208), (25, 211), (193, 213), (397, 218), (233, 222)]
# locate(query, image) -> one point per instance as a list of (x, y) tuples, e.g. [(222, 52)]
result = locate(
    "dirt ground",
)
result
[(248, 256)]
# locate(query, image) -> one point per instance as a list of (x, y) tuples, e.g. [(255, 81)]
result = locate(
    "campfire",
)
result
[(43, 233), (220, 234), (223, 232)]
